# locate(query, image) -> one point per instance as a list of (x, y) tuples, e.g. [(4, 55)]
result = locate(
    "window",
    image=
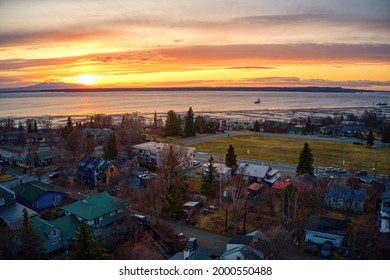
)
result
[(2, 201), (13, 196), (53, 199), (54, 232), (55, 241), (35, 204)]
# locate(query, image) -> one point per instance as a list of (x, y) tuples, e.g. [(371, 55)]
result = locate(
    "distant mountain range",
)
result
[(67, 87), (45, 86)]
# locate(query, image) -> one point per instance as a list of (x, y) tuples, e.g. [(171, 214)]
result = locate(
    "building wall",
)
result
[(43, 202), (108, 218), (54, 242)]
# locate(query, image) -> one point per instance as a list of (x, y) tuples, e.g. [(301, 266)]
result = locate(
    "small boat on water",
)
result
[(382, 104), (257, 101)]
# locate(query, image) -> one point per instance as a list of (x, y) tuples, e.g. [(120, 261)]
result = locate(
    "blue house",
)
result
[(89, 169), (345, 198), (38, 195)]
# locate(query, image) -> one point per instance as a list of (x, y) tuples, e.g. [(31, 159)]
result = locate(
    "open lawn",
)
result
[(287, 150)]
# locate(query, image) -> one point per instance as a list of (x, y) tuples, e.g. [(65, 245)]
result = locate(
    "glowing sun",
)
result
[(87, 80)]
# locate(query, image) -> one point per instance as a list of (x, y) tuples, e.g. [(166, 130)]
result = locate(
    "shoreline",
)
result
[(248, 115)]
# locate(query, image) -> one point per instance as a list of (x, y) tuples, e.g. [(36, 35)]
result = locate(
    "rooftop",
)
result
[(95, 206)]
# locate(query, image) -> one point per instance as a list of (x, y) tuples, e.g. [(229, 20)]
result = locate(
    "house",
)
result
[(101, 136), (254, 191), (257, 173), (383, 213), (139, 181), (253, 246), (295, 129), (221, 171), (11, 212), (304, 182), (107, 170), (345, 198), (50, 157), (99, 210), (280, 184), (56, 234), (91, 169), (274, 126), (321, 229), (149, 153), (38, 195)]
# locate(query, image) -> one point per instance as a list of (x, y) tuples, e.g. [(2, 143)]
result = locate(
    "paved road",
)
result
[(212, 243)]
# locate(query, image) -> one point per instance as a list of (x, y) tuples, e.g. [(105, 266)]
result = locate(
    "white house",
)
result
[(222, 171), (149, 153), (258, 173), (253, 246)]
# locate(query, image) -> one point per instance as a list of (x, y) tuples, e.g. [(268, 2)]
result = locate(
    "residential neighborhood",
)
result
[(139, 192)]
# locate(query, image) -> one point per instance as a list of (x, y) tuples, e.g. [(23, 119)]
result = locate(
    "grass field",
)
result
[(287, 150)]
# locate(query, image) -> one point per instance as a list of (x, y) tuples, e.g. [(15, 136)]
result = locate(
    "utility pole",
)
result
[(244, 229), (226, 209)]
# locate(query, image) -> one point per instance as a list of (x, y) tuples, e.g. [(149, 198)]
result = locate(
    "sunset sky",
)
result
[(167, 43)]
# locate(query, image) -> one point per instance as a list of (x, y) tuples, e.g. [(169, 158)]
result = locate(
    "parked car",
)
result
[(180, 241), (361, 173), (191, 244), (340, 170), (311, 249), (330, 169), (326, 250), (54, 175)]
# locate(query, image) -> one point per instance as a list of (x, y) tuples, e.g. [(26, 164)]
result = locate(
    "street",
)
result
[(212, 243)]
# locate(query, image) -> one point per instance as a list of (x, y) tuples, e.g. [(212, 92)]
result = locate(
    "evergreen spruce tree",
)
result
[(85, 247), (68, 128), (386, 134), (256, 126), (200, 124), (189, 124), (308, 127), (231, 157), (370, 138), (305, 164), (209, 177), (174, 201), (29, 125), (31, 247), (155, 120), (110, 149), (20, 126), (35, 129), (173, 124)]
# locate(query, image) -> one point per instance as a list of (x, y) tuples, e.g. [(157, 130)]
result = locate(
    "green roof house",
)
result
[(56, 234), (99, 210)]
